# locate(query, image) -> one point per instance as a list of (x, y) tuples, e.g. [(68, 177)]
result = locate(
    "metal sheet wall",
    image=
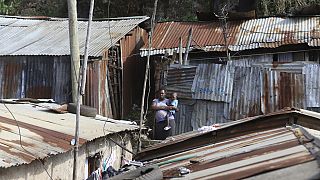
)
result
[(245, 100), (61, 79), (184, 116), (11, 77), (35, 77), (194, 114), (38, 77), (180, 80), (258, 87), (97, 91), (281, 89), (251, 60), (312, 73), (213, 82), (49, 77), (206, 113), (133, 69)]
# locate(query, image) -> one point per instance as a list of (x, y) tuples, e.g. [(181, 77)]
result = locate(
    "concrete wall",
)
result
[(60, 166)]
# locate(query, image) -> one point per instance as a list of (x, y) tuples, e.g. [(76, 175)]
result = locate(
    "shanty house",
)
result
[(237, 69), (36, 143), (35, 60)]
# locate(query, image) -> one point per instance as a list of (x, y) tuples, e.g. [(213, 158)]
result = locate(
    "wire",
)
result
[(124, 148), (20, 141)]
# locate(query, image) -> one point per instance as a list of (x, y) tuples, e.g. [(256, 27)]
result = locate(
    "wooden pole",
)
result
[(74, 47), (180, 51), (186, 62), (81, 90), (146, 74)]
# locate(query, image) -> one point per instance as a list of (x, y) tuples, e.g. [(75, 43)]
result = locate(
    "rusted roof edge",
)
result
[(234, 129)]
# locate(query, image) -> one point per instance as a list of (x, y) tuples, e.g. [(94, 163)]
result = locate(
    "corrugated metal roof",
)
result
[(241, 149), (44, 133), (243, 156), (21, 36), (268, 32)]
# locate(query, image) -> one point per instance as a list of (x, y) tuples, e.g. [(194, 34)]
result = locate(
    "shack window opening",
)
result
[(93, 163), (275, 57)]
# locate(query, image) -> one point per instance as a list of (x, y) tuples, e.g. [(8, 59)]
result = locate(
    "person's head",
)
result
[(174, 96), (162, 94)]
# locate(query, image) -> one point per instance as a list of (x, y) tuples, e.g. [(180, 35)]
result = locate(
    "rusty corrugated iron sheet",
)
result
[(258, 87), (268, 32), (241, 149), (97, 91), (292, 67), (11, 78), (48, 77), (213, 82), (22, 36), (44, 133), (133, 68), (280, 89), (35, 77), (245, 100), (242, 157)]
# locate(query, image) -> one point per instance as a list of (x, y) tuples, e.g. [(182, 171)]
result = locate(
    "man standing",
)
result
[(161, 108)]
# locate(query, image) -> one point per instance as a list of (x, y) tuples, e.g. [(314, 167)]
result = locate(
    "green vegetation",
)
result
[(7, 7), (282, 7), (167, 10)]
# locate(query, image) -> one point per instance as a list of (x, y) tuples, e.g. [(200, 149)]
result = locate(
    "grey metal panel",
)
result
[(292, 67), (51, 37), (184, 116), (183, 91), (183, 75), (245, 101), (207, 113), (250, 61), (307, 170), (312, 73), (213, 82), (180, 79), (194, 114), (61, 91)]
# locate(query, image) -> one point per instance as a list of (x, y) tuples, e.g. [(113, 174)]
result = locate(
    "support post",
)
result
[(180, 51), (80, 93), (186, 62), (142, 113), (74, 47)]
